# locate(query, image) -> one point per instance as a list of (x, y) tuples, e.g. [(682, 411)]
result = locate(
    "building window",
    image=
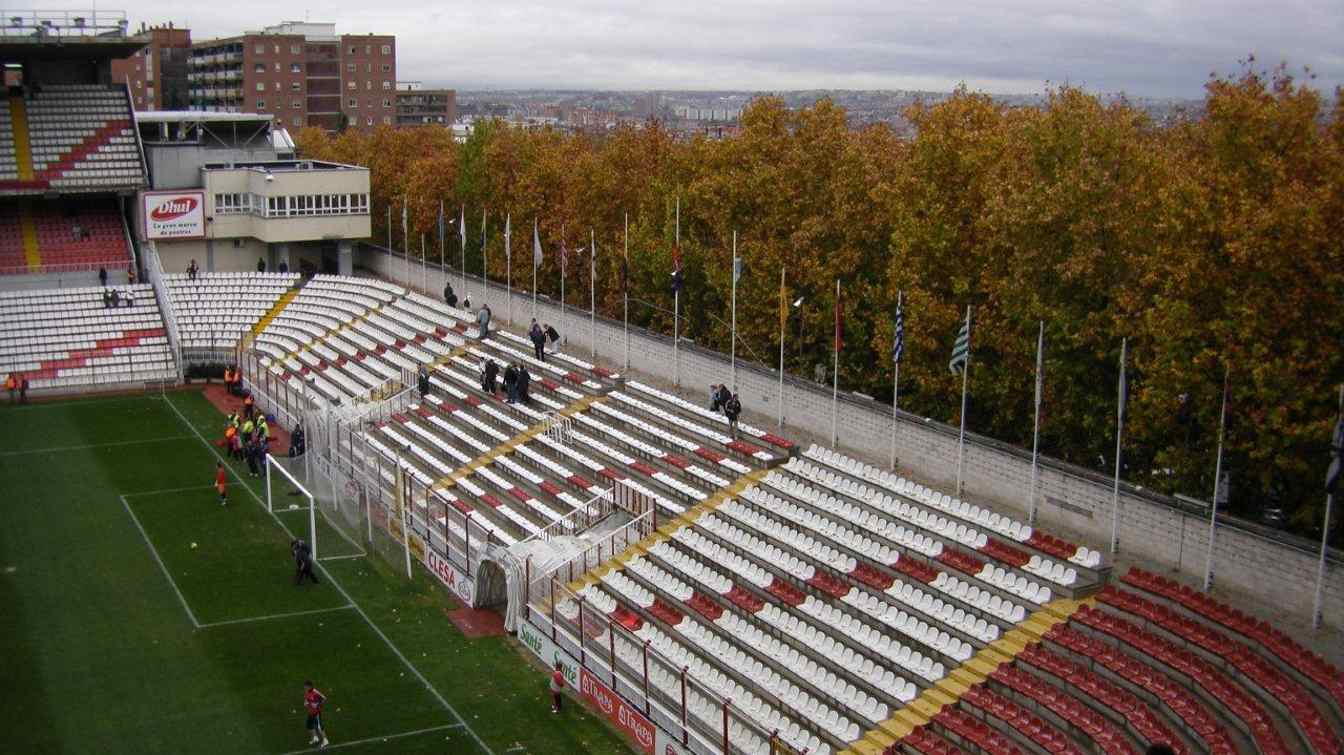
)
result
[(277, 86), (149, 92), (277, 66), (298, 121), (261, 86), (260, 50), (295, 86), (350, 85), (295, 50), (297, 104), (276, 48), (259, 68), (368, 121), (387, 120), (354, 50), (350, 67), (138, 83), (387, 85), (387, 68), (295, 68), (387, 49), (261, 104), (368, 68), (354, 102), (368, 86), (387, 103)]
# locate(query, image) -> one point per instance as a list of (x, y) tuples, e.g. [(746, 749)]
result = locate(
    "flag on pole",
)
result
[(961, 350), (405, 217), (783, 302), (508, 231), (462, 226), (536, 246), (441, 221), (483, 233), (1337, 459), (564, 252), (625, 270), (839, 319), (676, 268), (1040, 371), (898, 342), (737, 269), (1124, 389)]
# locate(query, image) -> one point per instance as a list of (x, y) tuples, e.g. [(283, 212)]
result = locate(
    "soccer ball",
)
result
[(193, 546), (293, 506)]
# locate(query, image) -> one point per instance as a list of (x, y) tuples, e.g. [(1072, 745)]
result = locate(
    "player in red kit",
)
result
[(312, 703), (220, 480)]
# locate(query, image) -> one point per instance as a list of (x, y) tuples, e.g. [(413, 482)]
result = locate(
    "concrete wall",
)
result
[(215, 256), (1275, 569), (178, 166)]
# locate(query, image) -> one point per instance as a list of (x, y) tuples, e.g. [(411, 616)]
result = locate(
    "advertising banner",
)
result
[(173, 214), (450, 575), (618, 711)]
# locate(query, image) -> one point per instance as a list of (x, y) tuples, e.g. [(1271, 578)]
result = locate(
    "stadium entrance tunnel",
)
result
[(491, 582)]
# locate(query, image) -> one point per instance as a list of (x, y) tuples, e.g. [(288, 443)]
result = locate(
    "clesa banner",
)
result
[(449, 575), (173, 214)]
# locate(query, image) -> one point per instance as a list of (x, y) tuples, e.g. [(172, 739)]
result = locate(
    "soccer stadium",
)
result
[(849, 579)]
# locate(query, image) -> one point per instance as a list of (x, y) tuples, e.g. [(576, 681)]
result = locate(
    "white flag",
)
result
[(508, 230), (536, 246)]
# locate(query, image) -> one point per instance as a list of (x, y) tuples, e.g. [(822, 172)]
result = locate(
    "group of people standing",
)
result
[(483, 315), (247, 436), (723, 400), (517, 381), (540, 334), (17, 382)]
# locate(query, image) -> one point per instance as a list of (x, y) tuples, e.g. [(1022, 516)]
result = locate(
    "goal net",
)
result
[(328, 507)]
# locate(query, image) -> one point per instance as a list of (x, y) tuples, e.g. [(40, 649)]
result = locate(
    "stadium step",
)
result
[(28, 232), (277, 308), (23, 151)]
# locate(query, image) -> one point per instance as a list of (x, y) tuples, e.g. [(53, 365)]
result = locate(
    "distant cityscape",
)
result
[(717, 113)]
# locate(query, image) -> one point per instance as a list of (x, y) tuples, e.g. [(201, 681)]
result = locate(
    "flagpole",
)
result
[(1217, 478), (535, 244), (564, 264), (625, 293), (835, 371), (895, 388), (406, 239), (485, 269), (389, 226), (783, 302), (508, 262), (592, 289), (733, 348), (965, 378), (1325, 537), (1036, 428), (1119, 433), (442, 267), (424, 270), (462, 232), (676, 312)]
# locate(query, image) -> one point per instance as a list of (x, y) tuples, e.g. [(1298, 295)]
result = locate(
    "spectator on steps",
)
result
[(819, 372), (130, 275), (102, 277), (422, 380), (284, 266), (261, 265), (116, 299), (129, 298), (524, 379), (107, 298), (491, 372), (449, 297), (192, 270), (511, 384), (553, 336), (466, 303), (12, 385), (483, 321), (538, 337), (719, 397), (731, 410), (23, 388)]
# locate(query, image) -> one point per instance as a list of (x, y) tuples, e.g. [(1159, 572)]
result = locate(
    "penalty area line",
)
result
[(274, 616), (88, 446), (381, 635), (383, 738), (155, 553)]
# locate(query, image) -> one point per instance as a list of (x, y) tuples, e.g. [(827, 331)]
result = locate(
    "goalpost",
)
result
[(271, 463)]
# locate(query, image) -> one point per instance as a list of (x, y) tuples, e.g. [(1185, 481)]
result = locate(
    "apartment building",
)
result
[(157, 74), (417, 106), (302, 74)]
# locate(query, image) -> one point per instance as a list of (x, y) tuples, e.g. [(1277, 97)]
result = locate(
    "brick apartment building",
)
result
[(417, 106), (303, 74), (157, 74)]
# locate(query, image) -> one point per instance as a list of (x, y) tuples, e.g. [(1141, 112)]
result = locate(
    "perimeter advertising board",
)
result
[(173, 214), (449, 575), (617, 710)]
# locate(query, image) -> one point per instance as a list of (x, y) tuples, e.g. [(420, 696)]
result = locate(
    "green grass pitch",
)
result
[(117, 637)]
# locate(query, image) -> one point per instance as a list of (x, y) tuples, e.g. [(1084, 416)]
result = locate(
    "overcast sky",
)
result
[(1159, 48)]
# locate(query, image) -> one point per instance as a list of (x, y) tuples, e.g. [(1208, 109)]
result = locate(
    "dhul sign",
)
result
[(173, 214)]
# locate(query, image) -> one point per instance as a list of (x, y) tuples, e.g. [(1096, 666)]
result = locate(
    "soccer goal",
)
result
[(304, 499), (334, 503)]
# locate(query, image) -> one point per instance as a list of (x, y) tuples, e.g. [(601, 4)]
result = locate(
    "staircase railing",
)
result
[(154, 271)]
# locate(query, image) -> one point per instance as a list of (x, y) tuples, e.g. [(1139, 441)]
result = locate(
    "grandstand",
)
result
[(807, 599), (69, 153)]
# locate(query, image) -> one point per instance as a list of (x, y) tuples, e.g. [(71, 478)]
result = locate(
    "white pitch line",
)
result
[(87, 446), (155, 553), (442, 700), (383, 738), (338, 530), (161, 491), (273, 616), (342, 558)]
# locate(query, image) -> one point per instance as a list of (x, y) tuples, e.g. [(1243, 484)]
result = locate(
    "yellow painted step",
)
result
[(28, 232), (275, 311), (23, 149)]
